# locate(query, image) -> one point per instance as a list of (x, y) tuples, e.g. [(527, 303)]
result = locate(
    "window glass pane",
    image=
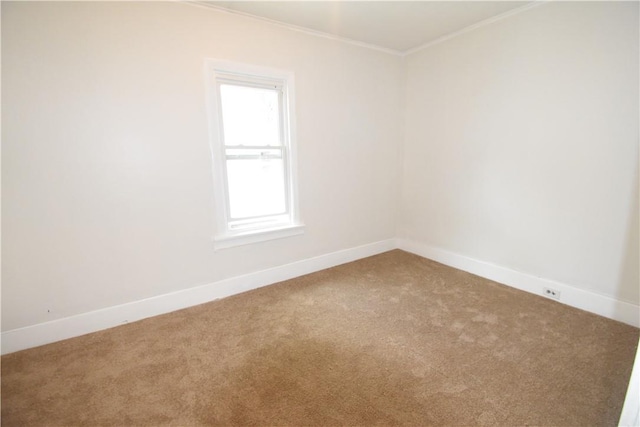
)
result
[(250, 116), (256, 185)]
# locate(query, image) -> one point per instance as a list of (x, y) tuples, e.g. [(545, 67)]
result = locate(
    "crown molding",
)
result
[(472, 27), (208, 5), (475, 26)]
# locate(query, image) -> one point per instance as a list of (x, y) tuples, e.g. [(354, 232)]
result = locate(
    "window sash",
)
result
[(262, 155), (258, 222), (285, 216), (249, 81), (273, 86)]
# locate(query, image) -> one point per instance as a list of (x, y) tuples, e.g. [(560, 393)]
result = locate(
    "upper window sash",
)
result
[(234, 139)]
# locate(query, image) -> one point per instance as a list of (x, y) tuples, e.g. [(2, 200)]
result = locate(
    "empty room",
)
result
[(320, 213)]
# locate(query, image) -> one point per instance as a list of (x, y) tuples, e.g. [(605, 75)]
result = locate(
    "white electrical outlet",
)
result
[(551, 293)]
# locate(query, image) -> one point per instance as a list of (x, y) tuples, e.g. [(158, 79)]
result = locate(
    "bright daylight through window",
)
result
[(252, 141)]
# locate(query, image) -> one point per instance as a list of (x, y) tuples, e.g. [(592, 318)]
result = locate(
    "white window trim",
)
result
[(224, 237)]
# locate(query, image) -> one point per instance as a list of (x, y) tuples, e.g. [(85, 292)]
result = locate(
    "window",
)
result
[(252, 143)]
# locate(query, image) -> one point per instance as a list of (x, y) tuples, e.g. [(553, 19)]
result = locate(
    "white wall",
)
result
[(521, 145), (107, 182)]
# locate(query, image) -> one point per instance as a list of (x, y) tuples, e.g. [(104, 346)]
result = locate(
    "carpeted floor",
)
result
[(388, 340)]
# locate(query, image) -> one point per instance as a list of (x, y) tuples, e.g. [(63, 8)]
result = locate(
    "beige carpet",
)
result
[(388, 340)]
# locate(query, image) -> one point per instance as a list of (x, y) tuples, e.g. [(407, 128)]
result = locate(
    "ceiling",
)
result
[(398, 26)]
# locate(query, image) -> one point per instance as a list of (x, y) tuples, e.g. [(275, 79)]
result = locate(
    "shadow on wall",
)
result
[(628, 286)]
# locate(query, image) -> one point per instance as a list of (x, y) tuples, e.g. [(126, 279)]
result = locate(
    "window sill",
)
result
[(256, 236)]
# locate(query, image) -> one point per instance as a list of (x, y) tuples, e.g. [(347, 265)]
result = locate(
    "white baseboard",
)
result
[(579, 298), (85, 323), (81, 324)]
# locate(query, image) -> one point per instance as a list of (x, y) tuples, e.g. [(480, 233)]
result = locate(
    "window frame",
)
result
[(227, 233)]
